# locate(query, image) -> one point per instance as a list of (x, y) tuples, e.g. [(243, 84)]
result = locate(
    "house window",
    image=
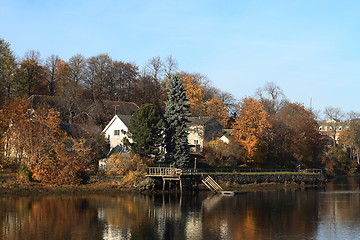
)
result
[(320, 128), (116, 132), (196, 142), (340, 128)]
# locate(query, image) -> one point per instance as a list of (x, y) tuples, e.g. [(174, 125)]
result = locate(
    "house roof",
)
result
[(80, 130), (199, 120), (124, 118)]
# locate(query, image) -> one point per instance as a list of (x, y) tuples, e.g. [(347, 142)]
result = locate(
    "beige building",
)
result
[(332, 128), (203, 130)]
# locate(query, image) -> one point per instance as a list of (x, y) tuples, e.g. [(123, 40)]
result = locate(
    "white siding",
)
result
[(115, 124)]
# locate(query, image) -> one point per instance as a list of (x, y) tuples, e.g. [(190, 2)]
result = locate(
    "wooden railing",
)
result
[(172, 171), (164, 171)]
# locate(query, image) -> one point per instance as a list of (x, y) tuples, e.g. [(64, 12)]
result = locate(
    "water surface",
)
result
[(323, 213)]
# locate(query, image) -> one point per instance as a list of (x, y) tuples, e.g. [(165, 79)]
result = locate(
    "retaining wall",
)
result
[(309, 179)]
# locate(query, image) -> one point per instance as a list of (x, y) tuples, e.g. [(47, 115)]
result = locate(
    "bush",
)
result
[(24, 174), (129, 166), (219, 153)]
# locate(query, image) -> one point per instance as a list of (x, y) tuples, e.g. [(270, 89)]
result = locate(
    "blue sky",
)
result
[(310, 48)]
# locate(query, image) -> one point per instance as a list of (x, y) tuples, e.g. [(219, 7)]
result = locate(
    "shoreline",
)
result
[(10, 185), (108, 188)]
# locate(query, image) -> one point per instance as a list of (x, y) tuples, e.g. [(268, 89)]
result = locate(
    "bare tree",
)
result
[(33, 55), (155, 68), (353, 115), (51, 70), (77, 65), (170, 67), (271, 97)]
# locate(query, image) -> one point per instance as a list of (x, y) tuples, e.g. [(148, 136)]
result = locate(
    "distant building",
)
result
[(203, 130), (332, 128)]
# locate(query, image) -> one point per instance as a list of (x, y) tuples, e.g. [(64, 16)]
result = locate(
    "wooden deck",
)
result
[(176, 174)]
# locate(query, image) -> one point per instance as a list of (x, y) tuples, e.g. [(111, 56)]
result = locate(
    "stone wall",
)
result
[(309, 179)]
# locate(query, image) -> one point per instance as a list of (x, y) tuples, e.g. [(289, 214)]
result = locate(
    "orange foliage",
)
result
[(34, 138), (199, 106), (252, 129), (195, 95), (216, 108)]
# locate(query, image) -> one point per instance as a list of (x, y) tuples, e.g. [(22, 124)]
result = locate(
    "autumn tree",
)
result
[(296, 139), (149, 90), (29, 77), (351, 139), (144, 136), (124, 78), (175, 119), (216, 108), (13, 113), (35, 139), (199, 104), (252, 130), (194, 93)]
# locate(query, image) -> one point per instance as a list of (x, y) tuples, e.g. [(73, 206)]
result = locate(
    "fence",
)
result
[(171, 171)]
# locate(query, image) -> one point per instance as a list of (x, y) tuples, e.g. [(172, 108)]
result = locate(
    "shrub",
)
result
[(131, 167)]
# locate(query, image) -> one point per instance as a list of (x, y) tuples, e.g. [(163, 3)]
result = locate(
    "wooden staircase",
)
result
[(212, 185)]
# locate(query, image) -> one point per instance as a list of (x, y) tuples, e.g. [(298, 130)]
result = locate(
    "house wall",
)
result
[(113, 139), (196, 138)]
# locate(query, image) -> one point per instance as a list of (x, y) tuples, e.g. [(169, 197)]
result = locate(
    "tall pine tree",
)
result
[(176, 117), (144, 133)]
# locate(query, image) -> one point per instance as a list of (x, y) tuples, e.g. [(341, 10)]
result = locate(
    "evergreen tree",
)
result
[(176, 116), (7, 67), (144, 132)]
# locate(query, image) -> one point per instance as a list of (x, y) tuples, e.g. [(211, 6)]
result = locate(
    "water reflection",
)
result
[(278, 214)]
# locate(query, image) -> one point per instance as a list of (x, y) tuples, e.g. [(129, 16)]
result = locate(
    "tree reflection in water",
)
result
[(295, 214)]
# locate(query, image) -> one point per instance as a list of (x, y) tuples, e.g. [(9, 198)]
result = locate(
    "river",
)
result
[(328, 213)]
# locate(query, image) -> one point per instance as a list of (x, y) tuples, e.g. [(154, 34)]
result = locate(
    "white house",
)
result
[(201, 130), (116, 130)]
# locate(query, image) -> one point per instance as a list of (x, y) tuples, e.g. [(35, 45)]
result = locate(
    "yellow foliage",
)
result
[(131, 177), (122, 164), (216, 108), (195, 95)]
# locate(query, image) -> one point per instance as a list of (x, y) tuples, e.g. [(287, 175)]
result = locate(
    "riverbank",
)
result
[(10, 185)]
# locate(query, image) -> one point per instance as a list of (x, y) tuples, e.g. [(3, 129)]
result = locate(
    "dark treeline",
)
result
[(97, 78)]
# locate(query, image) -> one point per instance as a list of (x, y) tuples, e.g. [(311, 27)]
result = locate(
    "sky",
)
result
[(309, 48)]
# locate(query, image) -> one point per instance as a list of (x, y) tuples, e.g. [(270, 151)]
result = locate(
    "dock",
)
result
[(170, 174)]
